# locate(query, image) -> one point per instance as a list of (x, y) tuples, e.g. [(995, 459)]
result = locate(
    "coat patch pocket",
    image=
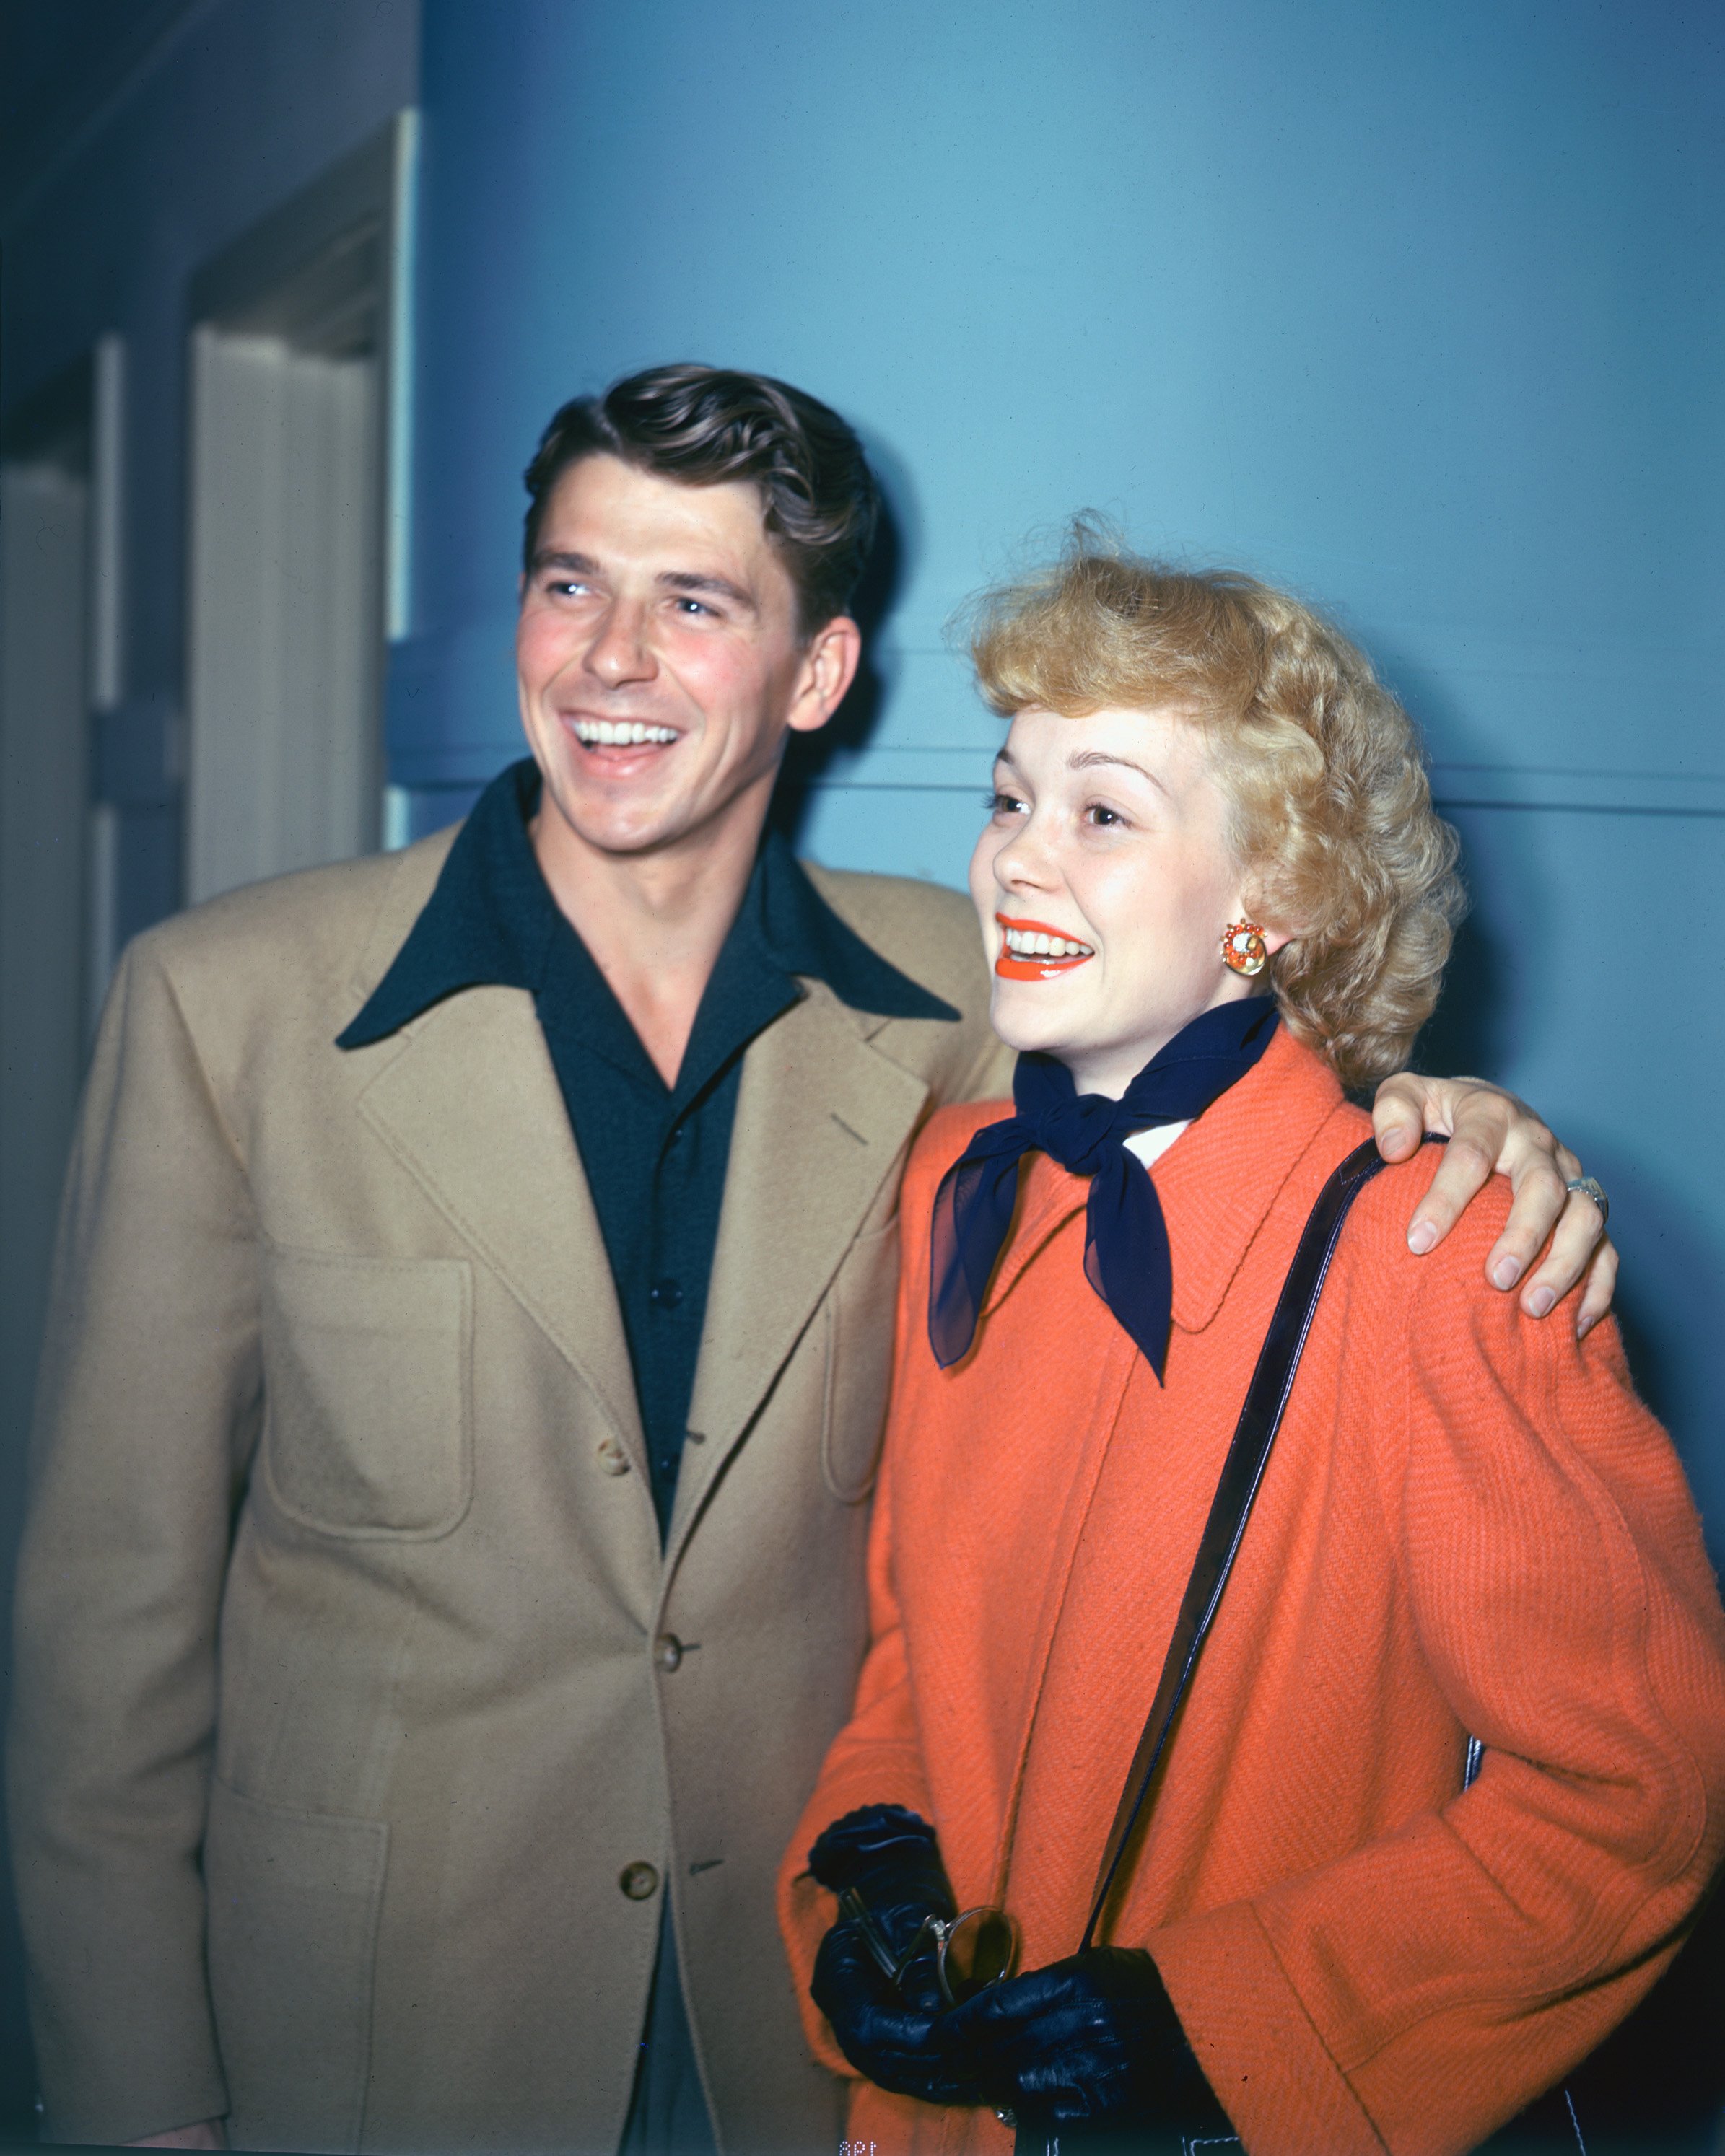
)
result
[(294, 1899), (367, 1377), (859, 1363)]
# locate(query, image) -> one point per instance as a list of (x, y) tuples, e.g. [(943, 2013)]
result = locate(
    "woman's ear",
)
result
[(1246, 910)]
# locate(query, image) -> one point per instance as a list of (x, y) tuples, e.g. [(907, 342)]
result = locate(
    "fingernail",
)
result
[(1541, 1302), (1421, 1237), (1507, 1271)]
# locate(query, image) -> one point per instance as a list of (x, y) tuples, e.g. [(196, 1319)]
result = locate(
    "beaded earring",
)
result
[(1243, 949)]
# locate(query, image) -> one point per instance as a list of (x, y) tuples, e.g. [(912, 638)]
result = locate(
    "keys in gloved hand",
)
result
[(1091, 2044), (890, 1857), (894, 2034)]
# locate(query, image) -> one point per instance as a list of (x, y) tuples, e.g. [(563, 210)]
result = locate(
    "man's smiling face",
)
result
[(659, 662)]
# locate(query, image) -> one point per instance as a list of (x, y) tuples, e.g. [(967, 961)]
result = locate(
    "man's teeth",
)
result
[(620, 733), (1032, 943)]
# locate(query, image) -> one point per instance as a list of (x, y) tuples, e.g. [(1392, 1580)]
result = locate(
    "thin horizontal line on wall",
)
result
[(956, 768), (1604, 792), (1439, 801), (1575, 808), (897, 780)]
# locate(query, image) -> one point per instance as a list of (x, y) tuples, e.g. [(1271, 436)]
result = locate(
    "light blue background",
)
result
[(1415, 308)]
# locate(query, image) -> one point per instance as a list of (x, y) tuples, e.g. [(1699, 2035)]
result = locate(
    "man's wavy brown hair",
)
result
[(1331, 813), (704, 425)]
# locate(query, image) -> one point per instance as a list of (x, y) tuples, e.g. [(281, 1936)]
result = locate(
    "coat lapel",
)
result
[(471, 1107), (822, 1120), (1048, 1197)]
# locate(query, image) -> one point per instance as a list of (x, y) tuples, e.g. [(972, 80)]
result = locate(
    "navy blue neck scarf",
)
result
[(1126, 1257)]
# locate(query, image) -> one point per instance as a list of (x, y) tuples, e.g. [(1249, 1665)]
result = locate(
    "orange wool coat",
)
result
[(1469, 1523)]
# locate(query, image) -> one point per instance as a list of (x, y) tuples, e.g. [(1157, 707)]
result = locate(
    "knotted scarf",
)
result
[(1126, 1258)]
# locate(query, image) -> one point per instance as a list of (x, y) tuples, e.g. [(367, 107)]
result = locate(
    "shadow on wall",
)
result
[(1468, 1032), (1475, 1028), (1670, 1263), (1671, 1276), (809, 756)]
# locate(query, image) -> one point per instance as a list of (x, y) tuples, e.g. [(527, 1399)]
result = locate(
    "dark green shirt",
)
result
[(654, 1155)]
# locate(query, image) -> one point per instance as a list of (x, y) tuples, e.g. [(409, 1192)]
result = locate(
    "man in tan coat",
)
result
[(470, 1345)]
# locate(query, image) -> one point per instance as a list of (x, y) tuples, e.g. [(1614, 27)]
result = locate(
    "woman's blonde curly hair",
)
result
[(1332, 811)]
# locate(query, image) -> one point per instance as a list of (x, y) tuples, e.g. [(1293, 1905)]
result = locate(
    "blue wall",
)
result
[(1414, 309)]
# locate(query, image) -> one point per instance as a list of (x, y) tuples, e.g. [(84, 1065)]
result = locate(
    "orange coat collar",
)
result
[(1216, 1183)]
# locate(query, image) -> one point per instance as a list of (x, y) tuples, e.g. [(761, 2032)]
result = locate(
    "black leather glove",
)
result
[(891, 1858), (1090, 2047), (893, 2033)]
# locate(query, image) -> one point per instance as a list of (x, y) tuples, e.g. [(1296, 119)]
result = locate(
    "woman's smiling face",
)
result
[(1106, 864)]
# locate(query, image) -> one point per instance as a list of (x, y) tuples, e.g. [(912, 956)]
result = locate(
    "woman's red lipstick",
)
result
[(1011, 965)]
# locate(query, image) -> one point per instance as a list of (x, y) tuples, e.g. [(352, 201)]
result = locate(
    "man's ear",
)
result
[(829, 666)]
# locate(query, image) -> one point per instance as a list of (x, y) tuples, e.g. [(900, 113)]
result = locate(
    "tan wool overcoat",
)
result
[(361, 1724)]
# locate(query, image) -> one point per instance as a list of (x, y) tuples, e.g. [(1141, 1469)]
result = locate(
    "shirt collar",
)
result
[(492, 919)]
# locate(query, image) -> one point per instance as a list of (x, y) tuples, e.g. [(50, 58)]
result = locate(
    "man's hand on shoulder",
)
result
[(207, 2133), (1492, 1133)]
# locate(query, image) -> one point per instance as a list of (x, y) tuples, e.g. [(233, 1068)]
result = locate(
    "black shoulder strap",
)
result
[(1242, 1471)]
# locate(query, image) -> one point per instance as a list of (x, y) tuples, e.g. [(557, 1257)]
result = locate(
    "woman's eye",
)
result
[(1098, 814), (1003, 804)]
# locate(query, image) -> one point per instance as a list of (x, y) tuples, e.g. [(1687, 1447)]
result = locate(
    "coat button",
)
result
[(639, 1882), (667, 1652), (612, 1458)]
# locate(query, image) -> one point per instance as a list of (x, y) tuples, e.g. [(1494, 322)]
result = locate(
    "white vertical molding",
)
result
[(284, 607), (399, 397), (233, 674), (327, 789), (107, 608), (398, 819)]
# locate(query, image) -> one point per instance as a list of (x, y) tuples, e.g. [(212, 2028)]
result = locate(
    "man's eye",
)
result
[(569, 588), (688, 606)]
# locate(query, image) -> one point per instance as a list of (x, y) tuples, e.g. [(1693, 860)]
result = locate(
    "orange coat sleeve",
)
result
[(1414, 1994), (877, 1757)]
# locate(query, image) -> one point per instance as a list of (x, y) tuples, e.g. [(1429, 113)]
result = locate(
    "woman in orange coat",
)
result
[(1319, 1940)]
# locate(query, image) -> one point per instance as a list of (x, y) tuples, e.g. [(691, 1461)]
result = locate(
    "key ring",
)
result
[(975, 1948)]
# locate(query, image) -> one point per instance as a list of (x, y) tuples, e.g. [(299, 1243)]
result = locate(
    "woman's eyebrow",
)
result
[(1087, 757)]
